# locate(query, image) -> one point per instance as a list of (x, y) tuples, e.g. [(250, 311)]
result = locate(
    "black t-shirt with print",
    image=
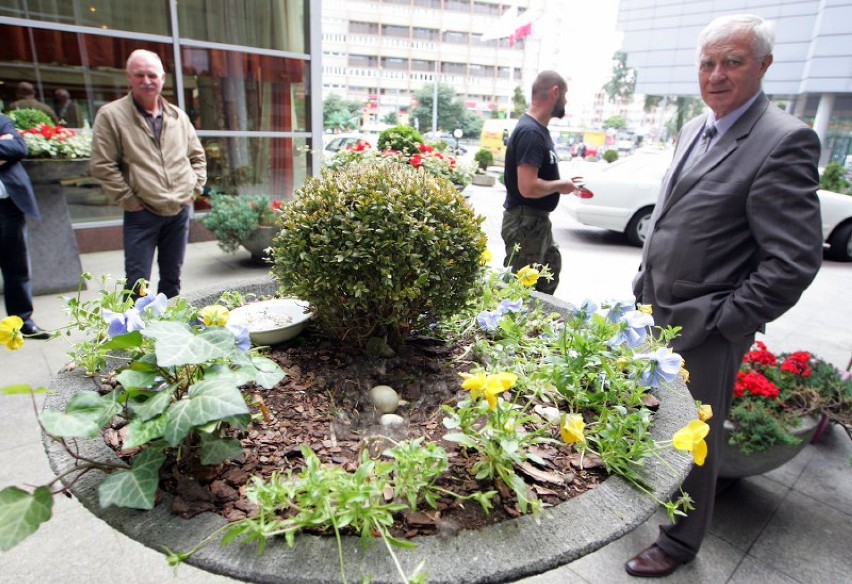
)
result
[(531, 144)]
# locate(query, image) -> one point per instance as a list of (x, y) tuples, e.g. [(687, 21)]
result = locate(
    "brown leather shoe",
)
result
[(652, 562)]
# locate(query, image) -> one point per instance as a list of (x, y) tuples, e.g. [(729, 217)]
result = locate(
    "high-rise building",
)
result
[(381, 52)]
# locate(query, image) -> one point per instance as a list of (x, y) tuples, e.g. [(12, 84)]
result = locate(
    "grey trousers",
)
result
[(712, 367)]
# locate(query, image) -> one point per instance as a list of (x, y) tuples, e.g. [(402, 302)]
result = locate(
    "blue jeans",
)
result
[(145, 232), (15, 261)]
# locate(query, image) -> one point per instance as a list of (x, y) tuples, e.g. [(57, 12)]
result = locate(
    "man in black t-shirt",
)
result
[(532, 182)]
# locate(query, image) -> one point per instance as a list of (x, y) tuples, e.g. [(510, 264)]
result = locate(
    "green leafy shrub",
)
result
[(379, 250), (484, 158), (610, 155), (834, 178), (403, 139), (28, 118), (233, 218)]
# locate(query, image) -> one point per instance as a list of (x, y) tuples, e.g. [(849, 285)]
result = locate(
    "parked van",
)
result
[(494, 132)]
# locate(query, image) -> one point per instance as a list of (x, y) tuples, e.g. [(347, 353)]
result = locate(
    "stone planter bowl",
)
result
[(258, 242), (501, 553), (736, 465)]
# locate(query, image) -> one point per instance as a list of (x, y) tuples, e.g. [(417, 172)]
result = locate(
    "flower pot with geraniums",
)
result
[(780, 402), (243, 220), (405, 146)]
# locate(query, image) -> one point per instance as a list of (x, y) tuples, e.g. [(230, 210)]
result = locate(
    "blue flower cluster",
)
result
[(489, 320)]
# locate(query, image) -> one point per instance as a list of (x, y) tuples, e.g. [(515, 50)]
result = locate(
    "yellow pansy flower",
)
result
[(493, 388), (142, 290), (10, 333), (474, 383), (214, 315), (705, 412), (485, 258), (571, 429), (507, 380), (690, 438), (528, 276), (684, 374), (646, 309)]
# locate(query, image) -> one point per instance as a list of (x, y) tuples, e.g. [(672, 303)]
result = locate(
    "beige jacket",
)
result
[(132, 168)]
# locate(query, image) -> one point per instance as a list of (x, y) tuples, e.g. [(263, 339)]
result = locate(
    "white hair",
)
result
[(724, 27), (142, 53)]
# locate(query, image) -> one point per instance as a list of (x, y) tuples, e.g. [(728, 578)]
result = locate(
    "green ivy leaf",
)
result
[(141, 432), (125, 341), (175, 343), (207, 400), (21, 513), (269, 373), (218, 450), (22, 389), (134, 488), (136, 379), (154, 405), (84, 416)]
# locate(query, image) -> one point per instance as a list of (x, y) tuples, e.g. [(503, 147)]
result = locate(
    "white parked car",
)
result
[(621, 197)]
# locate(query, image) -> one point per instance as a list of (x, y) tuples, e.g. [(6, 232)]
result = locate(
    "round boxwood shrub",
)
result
[(379, 250), (484, 158), (610, 155), (403, 139)]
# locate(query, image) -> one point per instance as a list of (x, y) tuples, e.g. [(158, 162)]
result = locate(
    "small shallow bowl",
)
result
[(271, 322)]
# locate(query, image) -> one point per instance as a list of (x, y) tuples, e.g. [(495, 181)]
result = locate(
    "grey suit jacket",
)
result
[(736, 238)]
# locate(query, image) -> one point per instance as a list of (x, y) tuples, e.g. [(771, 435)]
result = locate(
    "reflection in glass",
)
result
[(265, 24), (151, 16), (229, 90), (268, 166)]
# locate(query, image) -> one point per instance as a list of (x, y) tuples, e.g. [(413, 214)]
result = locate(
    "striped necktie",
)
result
[(707, 137)]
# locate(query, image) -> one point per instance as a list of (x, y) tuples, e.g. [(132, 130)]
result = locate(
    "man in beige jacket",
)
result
[(148, 158)]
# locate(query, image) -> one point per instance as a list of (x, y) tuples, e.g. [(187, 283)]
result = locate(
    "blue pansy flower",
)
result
[(241, 333), (156, 305), (121, 323), (663, 365), (488, 321), (586, 310), (507, 306), (634, 329), (619, 309)]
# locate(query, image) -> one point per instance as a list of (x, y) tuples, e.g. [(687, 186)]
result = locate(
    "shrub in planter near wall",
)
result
[(234, 218), (484, 158)]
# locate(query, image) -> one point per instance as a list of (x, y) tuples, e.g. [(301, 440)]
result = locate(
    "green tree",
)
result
[(451, 110), (622, 84), (686, 109), (519, 103), (390, 118), (652, 101), (616, 122), (340, 114)]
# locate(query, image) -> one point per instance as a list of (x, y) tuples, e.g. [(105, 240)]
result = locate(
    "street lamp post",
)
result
[(435, 99)]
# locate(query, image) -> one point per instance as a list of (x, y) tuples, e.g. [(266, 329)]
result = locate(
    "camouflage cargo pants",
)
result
[(531, 229)]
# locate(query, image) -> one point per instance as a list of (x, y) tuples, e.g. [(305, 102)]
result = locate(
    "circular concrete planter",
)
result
[(736, 465), (501, 553), (258, 242)]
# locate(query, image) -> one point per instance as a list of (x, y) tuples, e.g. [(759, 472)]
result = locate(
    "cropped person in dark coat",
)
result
[(734, 240), (17, 201)]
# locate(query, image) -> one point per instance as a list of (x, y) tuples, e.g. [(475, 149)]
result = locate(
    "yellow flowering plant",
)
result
[(580, 379), (10, 333)]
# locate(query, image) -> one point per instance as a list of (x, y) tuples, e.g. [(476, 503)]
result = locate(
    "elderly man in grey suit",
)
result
[(734, 241)]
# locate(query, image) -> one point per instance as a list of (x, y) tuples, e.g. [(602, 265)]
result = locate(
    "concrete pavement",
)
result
[(790, 525)]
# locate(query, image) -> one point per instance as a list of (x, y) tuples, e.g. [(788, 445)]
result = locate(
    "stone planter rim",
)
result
[(502, 553)]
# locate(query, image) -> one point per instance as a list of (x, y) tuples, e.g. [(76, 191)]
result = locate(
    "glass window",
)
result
[(430, 34), (149, 17), (266, 24), (457, 5), (394, 63), (421, 65), (89, 67), (230, 90), (455, 37), (363, 61), (395, 31), (363, 27), (270, 166)]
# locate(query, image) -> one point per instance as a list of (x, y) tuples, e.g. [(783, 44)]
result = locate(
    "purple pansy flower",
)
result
[(619, 309), (586, 310), (121, 323), (241, 333), (507, 306)]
